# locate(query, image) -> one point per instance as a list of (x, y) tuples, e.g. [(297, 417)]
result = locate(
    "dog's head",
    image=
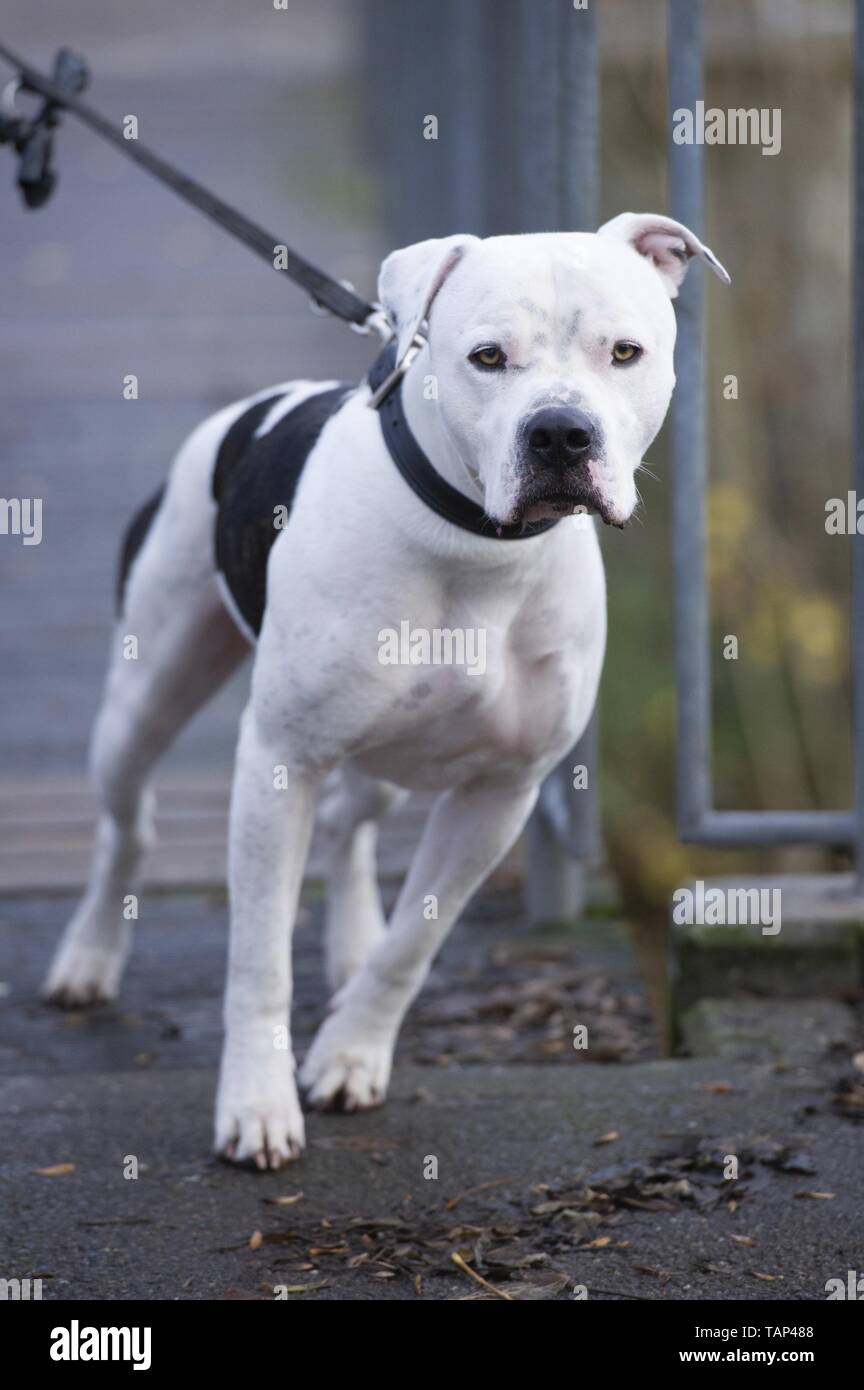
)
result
[(550, 354)]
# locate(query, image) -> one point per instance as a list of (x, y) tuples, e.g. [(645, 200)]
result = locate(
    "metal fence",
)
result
[(698, 820), (514, 86)]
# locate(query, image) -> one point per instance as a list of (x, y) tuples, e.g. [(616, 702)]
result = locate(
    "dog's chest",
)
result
[(510, 705)]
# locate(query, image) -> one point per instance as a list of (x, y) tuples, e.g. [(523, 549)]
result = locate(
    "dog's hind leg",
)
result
[(348, 816), (173, 647)]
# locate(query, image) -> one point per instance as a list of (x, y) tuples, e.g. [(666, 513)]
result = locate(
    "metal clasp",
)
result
[(416, 346)]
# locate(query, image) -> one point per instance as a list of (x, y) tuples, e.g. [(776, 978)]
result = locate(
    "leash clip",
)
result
[(414, 348), (377, 321)]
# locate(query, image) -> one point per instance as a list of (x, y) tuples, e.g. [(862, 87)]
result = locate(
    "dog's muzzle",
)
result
[(559, 442)]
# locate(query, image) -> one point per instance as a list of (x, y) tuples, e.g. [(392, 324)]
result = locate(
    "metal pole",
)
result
[(580, 101), (537, 83), (470, 26), (689, 455), (857, 559), (559, 192), (579, 105)]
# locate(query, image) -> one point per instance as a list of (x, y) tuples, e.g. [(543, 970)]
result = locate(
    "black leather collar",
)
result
[(425, 480)]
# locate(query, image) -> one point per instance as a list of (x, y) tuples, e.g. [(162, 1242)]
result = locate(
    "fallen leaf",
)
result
[(607, 1138), (743, 1240), (716, 1088), (599, 1243), (256, 1240), (817, 1196), (284, 1201), (766, 1278), (56, 1171), (546, 1286), (663, 1274), (498, 1293), (513, 1257), (472, 1191)]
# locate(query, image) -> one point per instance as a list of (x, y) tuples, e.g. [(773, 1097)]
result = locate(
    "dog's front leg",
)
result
[(469, 831), (258, 1114)]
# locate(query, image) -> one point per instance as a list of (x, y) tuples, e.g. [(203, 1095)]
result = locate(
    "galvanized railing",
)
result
[(698, 820)]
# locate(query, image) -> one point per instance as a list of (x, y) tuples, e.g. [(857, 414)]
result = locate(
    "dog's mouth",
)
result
[(544, 504)]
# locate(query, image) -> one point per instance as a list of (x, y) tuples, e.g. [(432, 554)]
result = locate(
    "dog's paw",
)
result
[(83, 975), (258, 1114), (345, 1070)]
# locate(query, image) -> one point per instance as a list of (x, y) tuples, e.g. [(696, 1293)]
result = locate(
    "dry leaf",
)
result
[(663, 1274), (256, 1240), (472, 1192), (546, 1286), (607, 1138), (599, 1243), (497, 1293), (743, 1240), (716, 1088), (56, 1171), (817, 1196), (766, 1278), (284, 1201)]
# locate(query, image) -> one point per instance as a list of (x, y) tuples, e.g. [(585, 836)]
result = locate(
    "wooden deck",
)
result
[(46, 831)]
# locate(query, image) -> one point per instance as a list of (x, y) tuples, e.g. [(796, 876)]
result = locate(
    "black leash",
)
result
[(32, 139)]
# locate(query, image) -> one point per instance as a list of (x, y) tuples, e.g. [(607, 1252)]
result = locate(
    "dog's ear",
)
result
[(411, 278), (667, 244)]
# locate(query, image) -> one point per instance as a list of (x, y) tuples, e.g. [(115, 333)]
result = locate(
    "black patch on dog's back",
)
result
[(237, 441), (251, 479), (136, 534)]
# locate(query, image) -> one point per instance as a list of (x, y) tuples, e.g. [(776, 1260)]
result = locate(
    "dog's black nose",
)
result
[(560, 436)]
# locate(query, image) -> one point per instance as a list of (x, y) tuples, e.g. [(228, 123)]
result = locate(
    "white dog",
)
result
[(527, 378)]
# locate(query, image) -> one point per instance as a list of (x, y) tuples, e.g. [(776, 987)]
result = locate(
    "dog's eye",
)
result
[(626, 352), (491, 357)]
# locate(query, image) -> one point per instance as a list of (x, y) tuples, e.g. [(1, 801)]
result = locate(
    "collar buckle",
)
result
[(416, 346)]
